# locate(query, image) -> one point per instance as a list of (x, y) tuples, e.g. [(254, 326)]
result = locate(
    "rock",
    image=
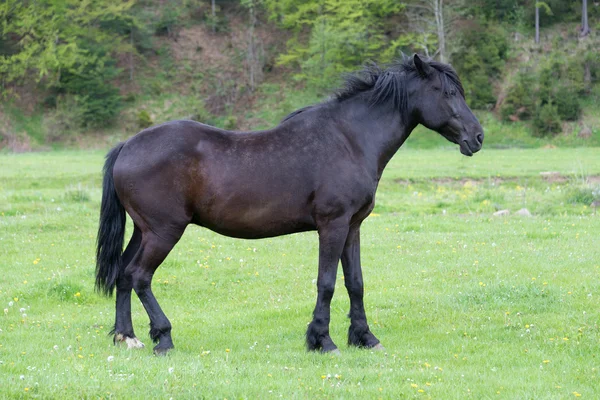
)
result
[(523, 212), (585, 132), (501, 213)]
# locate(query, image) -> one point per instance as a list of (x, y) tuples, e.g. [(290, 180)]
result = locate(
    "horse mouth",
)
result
[(465, 149)]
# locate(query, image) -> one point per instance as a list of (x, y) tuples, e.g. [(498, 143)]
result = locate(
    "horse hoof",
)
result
[(378, 347), (161, 352), (333, 352), (134, 343), (131, 342)]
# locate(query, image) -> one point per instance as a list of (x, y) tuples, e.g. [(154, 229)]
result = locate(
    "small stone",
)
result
[(549, 174), (523, 212), (501, 213)]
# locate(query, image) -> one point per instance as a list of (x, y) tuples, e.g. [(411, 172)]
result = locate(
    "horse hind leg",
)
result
[(123, 329), (153, 250)]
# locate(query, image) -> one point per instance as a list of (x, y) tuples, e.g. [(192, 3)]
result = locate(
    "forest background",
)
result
[(79, 73)]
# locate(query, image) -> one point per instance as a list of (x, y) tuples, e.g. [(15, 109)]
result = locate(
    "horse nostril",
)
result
[(480, 138)]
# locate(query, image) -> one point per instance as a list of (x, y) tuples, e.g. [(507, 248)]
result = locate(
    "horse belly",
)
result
[(242, 216)]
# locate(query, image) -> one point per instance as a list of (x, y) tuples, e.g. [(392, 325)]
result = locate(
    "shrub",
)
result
[(550, 93), (581, 195), (76, 195), (67, 117), (547, 121), (98, 101), (519, 102), (567, 103), (144, 120)]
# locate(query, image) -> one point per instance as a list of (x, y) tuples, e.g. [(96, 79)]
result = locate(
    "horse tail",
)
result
[(111, 231)]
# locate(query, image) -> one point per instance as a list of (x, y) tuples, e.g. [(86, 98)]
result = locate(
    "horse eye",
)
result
[(437, 89)]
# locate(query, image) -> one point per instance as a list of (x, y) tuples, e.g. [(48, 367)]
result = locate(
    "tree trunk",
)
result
[(131, 56), (439, 21), (537, 23), (254, 53), (214, 16), (585, 27)]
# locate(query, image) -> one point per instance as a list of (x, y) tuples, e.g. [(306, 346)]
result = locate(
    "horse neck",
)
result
[(378, 130)]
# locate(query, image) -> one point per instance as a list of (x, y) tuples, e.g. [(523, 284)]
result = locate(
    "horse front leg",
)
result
[(359, 333), (331, 243)]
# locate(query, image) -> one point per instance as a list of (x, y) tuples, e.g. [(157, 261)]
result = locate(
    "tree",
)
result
[(254, 53), (69, 47), (433, 17), (342, 34), (52, 37), (546, 7), (585, 27), (537, 23), (213, 14)]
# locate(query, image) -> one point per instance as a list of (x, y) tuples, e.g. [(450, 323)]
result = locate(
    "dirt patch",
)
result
[(221, 59), (11, 140), (550, 177)]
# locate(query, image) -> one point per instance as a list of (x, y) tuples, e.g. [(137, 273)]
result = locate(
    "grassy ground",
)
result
[(466, 304)]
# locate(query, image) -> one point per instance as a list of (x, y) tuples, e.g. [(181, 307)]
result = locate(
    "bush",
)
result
[(584, 195), (67, 117), (550, 93), (519, 102), (547, 121), (144, 120), (567, 103), (97, 100)]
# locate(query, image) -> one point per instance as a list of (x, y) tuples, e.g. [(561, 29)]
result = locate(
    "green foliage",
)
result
[(516, 11), (65, 292), (551, 93), (479, 60), (76, 194), (98, 100), (520, 102), (343, 34), (583, 195), (53, 37), (144, 120), (168, 18), (78, 51), (546, 120), (567, 102), (64, 118), (68, 46), (230, 122)]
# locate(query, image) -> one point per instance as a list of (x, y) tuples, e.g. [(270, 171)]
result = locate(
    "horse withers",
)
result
[(317, 170)]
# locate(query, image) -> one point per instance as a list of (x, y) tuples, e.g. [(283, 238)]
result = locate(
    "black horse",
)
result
[(318, 170)]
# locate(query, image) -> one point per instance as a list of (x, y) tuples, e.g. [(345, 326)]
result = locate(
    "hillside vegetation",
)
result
[(88, 74)]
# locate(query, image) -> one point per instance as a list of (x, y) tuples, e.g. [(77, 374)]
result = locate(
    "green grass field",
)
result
[(467, 305)]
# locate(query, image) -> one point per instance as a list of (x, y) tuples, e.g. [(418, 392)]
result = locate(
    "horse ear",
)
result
[(423, 68)]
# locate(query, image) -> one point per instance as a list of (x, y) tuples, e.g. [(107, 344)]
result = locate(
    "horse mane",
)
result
[(294, 113), (388, 84)]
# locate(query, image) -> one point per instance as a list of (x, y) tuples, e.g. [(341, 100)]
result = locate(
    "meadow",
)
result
[(467, 304)]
